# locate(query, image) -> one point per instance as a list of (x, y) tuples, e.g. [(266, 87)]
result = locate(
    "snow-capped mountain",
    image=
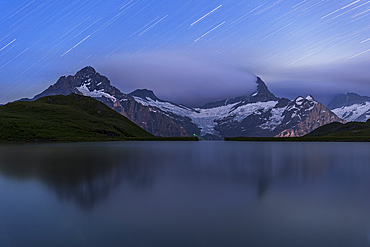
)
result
[(87, 82), (351, 107), (90, 83), (258, 114), (303, 115)]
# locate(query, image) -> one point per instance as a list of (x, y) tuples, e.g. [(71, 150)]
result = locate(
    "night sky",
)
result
[(189, 52)]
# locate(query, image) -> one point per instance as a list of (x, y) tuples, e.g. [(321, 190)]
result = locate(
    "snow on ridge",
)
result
[(352, 112), (310, 98), (205, 118), (299, 100), (95, 94), (301, 111), (312, 106), (164, 106), (245, 110), (275, 120)]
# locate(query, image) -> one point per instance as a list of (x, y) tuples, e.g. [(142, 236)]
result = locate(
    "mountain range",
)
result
[(351, 107), (260, 114)]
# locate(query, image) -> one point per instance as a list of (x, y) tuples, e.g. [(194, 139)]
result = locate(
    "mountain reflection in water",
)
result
[(86, 173), (82, 173), (185, 194)]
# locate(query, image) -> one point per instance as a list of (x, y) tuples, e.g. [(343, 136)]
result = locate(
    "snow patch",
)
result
[(275, 120), (95, 94), (205, 118), (310, 98), (352, 112), (299, 100), (164, 106)]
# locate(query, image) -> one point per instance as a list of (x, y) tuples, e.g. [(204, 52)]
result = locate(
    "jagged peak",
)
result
[(262, 94), (86, 72), (349, 94), (262, 90), (310, 98), (144, 93), (299, 101), (347, 100), (299, 98)]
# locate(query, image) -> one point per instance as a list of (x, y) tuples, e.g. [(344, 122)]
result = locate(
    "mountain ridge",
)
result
[(351, 107), (261, 94), (258, 114)]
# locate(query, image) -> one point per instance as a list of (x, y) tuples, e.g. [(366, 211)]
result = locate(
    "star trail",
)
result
[(318, 47)]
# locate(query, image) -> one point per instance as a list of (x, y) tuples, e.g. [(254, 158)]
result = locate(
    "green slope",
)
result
[(351, 132), (65, 118)]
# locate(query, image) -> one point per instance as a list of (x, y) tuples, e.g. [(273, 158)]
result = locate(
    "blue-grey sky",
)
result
[(190, 51)]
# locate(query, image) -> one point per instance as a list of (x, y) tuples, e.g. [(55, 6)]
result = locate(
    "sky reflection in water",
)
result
[(185, 194)]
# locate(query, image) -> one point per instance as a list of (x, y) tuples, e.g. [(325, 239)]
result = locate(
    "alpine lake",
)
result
[(206, 193)]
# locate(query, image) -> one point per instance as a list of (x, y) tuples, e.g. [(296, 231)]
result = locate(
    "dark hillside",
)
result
[(349, 130), (65, 118)]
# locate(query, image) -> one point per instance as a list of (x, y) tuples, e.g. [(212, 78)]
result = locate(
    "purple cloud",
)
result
[(185, 79)]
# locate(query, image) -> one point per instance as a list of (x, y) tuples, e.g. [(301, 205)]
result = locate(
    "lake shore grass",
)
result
[(300, 139), (149, 139)]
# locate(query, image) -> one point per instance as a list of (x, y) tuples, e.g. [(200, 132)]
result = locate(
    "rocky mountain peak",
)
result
[(86, 72), (263, 93), (351, 107), (299, 99), (305, 119), (86, 82), (144, 94), (310, 98), (347, 100), (301, 103)]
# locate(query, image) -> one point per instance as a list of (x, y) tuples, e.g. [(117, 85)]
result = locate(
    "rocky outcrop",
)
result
[(151, 120)]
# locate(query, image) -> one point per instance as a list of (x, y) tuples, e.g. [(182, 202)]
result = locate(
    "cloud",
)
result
[(193, 79), (321, 81), (322, 91), (185, 79)]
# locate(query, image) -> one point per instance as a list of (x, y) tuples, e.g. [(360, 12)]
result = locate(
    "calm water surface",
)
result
[(185, 194)]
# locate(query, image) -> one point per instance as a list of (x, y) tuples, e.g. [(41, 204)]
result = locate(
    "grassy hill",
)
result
[(65, 118), (356, 131), (352, 132)]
